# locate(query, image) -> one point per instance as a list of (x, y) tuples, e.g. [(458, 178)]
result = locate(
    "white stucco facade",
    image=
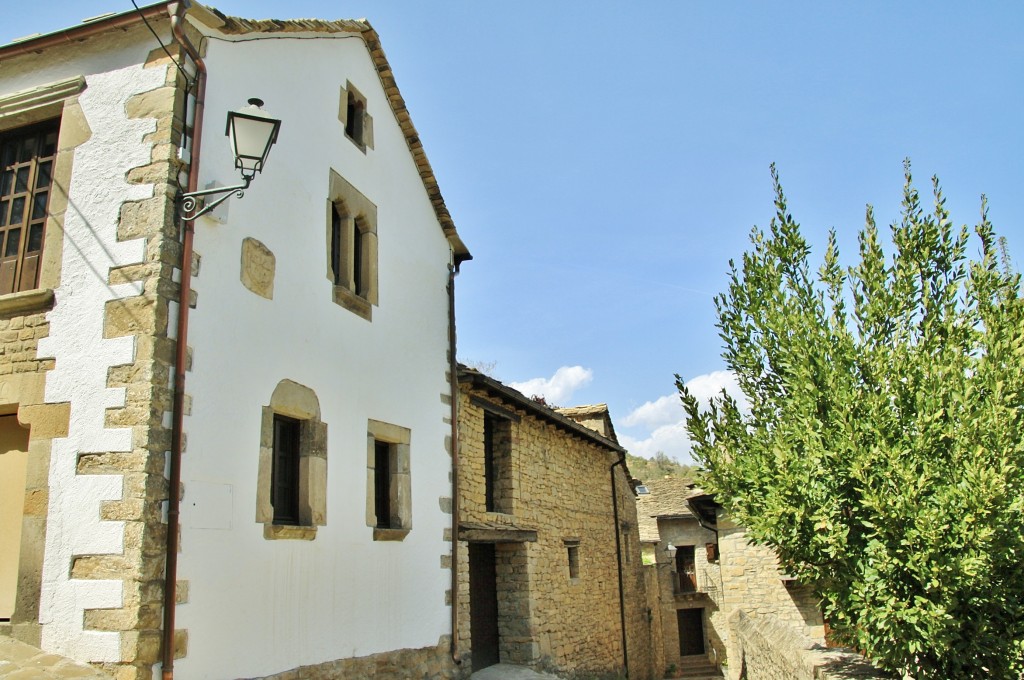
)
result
[(286, 603)]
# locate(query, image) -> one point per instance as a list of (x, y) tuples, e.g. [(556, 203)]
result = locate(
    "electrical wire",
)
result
[(188, 80)]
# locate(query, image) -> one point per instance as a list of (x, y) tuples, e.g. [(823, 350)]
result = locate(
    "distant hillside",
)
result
[(646, 469)]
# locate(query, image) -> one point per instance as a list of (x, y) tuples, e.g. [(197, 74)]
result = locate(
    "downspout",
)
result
[(453, 271), (177, 11), (618, 557)]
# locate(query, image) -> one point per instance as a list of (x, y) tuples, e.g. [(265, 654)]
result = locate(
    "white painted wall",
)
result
[(114, 72), (258, 606)]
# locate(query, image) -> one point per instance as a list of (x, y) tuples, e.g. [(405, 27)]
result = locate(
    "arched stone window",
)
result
[(291, 499)]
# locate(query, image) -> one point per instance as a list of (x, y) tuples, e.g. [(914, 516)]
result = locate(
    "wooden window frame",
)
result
[(22, 239)]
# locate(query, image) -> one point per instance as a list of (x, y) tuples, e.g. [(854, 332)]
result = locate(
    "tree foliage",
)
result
[(882, 455)]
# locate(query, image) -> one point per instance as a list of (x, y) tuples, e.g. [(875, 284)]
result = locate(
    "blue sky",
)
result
[(604, 160)]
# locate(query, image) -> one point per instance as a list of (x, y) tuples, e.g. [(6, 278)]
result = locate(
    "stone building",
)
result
[(549, 566), (709, 574), (308, 410)]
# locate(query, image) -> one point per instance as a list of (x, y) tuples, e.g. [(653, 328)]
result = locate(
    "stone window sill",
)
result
[(282, 532), (356, 304), (380, 534), (26, 302)]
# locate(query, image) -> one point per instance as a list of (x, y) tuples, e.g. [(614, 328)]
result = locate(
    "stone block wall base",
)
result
[(400, 664)]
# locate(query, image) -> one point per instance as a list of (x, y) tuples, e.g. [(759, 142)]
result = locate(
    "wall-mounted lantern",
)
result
[(251, 133)]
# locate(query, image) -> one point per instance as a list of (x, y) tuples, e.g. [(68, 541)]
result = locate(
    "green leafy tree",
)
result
[(882, 455)]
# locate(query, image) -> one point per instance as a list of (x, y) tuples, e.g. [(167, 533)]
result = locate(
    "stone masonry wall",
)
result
[(560, 487), (753, 582), (770, 649)]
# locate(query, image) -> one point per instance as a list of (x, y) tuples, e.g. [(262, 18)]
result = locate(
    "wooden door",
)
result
[(483, 605), (691, 631)]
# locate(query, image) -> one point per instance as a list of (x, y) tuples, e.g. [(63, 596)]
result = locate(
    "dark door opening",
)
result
[(483, 605), (691, 631)]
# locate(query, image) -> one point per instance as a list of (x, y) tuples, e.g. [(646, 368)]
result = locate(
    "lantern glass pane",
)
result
[(250, 140)]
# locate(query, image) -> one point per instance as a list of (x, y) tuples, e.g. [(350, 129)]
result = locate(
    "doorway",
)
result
[(13, 466), (483, 605), (691, 631)]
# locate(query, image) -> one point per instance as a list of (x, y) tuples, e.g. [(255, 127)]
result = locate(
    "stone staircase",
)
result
[(697, 668)]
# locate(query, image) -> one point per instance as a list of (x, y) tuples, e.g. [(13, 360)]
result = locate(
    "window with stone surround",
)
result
[(352, 247), (39, 130), (291, 498), (357, 122), (572, 547), (388, 482)]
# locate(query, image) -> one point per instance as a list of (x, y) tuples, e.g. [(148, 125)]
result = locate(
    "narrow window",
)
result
[(497, 463), (284, 480), (357, 261), (337, 239), (573, 550), (26, 174), (354, 117), (382, 483), (490, 464)]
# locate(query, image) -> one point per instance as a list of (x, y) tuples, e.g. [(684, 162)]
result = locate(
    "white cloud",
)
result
[(661, 424), (558, 388), (667, 409)]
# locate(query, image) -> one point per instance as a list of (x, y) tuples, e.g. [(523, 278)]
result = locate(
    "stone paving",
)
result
[(505, 671), (19, 661)]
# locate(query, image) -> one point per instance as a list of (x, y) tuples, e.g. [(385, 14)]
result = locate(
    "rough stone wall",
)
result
[(771, 649), (753, 582), (403, 664), (560, 487), (657, 624)]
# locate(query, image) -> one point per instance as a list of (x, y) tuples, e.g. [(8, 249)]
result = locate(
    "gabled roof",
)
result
[(239, 26), (595, 416), (517, 399)]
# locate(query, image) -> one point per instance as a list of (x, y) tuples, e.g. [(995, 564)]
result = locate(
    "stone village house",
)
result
[(315, 424), (550, 573), (724, 602)]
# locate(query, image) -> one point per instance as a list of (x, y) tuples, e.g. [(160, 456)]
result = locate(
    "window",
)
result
[(357, 122), (27, 157), (291, 497), (686, 569), (382, 483), (497, 461), (388, 483), (285, 474), (352, 247), (572, 547)]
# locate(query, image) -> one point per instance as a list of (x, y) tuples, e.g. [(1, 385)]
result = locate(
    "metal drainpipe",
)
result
[(618, 557), (453, 271), (177, 11)]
